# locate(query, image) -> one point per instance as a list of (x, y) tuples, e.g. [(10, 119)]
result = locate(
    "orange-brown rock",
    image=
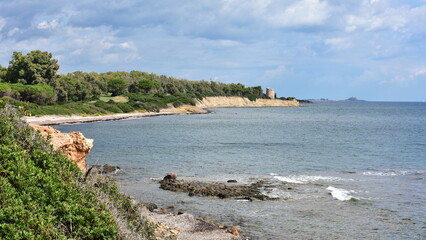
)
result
[(74, 145), (235, 231)]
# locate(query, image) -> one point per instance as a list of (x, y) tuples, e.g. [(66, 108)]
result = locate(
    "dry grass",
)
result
[(131, 223)]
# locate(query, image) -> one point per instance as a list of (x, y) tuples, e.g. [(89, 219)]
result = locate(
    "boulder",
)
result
[(74, 145), (170, 177)]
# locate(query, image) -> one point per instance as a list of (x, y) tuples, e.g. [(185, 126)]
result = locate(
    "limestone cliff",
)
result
[(184, 109), (74, 145), (213, 102)]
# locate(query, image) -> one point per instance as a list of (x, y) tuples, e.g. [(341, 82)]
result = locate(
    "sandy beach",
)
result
[(72, 119)]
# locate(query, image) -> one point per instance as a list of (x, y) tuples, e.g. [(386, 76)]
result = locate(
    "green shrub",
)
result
[(125, 107), (177, 104), (38, 93), (109, 106), (40, 195)]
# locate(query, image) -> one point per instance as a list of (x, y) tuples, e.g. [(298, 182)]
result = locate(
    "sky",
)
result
[(371, 49)]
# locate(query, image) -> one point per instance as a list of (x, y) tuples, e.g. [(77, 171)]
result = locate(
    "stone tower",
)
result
[(270, 93)]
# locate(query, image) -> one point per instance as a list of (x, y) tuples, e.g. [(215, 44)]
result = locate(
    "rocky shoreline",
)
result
[(171, 225), (231, 189)]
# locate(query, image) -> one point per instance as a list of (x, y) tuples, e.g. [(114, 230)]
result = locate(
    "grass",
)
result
[(117, 99)]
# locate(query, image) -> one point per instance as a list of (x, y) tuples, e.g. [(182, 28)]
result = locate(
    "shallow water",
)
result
[(356, 170)]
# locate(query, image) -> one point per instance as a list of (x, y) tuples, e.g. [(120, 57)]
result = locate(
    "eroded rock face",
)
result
[(74, 145), (214, 102)]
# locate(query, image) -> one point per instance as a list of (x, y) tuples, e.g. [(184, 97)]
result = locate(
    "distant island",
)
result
[(351, 99)]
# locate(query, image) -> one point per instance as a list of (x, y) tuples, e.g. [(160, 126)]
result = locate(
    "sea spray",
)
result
[(340, 193)]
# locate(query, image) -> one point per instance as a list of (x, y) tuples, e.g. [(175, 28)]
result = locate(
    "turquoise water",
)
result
[(357, 170)]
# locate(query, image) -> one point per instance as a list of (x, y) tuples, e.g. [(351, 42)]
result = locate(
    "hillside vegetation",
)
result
[(31, 81), (43, 195)]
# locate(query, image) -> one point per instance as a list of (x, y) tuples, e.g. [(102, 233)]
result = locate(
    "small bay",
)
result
[(344, 170)]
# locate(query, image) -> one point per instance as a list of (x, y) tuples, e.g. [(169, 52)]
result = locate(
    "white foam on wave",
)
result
[(275, 193), (340, 193), (301, 179), (288, 179), (384, 174)]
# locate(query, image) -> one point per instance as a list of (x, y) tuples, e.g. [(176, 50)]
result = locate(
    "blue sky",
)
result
[(371, 49)]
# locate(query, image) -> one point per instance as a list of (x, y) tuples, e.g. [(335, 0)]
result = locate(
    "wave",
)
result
[(341, 194), (275, 193), (302, 179), (391, 173)]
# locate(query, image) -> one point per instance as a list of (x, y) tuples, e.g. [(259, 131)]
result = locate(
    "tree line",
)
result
[(33, 78)]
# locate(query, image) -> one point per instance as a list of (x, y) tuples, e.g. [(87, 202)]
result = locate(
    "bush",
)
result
[(40, 195), (125, 107), (29, 93), (177, 104), (110, 106)]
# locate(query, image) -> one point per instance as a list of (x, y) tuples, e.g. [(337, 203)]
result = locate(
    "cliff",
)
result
[(74, 145), (213, 102)]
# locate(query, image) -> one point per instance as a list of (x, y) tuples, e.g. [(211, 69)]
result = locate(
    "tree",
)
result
[(144, 86), (3, 71), (36, 67), (117, 86)]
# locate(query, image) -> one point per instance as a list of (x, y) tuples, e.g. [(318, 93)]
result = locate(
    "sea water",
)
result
[(341, 170)]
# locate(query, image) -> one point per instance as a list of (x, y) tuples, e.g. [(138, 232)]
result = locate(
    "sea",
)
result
[(339, 170)]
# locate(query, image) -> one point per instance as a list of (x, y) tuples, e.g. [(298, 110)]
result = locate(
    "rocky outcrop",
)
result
[(214, 102), (74, 145), (210, 189)]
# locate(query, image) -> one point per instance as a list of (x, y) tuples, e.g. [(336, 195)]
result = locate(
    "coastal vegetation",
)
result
[(43, 195), (32, 83)]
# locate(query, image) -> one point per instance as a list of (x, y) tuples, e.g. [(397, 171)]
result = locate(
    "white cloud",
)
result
[(276, 72), (420, 72), (372, 16), (49, 25), (300, 13), (228, 43), (125, 45), (276, 13), (338, 43), (2, 23), (405, 76), (13, 31)]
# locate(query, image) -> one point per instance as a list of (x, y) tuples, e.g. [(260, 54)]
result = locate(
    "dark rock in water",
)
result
[(104, 169), (170, 177), (244, 198), (219, 190), (151, 206), (232, 181)]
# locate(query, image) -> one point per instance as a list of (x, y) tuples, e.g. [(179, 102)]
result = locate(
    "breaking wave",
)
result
[(302, 179), (341, 194)]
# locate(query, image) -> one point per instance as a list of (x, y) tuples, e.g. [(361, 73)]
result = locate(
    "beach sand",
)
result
[(72, 119)]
